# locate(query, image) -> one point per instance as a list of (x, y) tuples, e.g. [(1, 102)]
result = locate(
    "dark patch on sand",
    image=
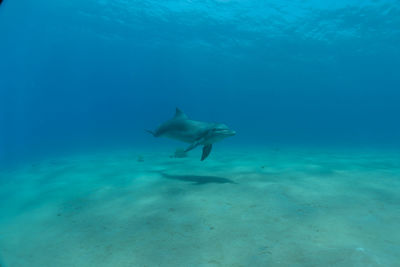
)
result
[(198, 179)]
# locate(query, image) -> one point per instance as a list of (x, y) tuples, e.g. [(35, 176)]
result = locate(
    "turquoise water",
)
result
[(269, 207), (311, 89)]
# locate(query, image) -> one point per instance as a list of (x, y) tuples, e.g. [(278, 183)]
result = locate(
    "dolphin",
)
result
[(196, 133)]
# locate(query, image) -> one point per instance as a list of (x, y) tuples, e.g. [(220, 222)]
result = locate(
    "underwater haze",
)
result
[(311, 88)]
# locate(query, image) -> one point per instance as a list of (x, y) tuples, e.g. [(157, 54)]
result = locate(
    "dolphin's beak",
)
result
[(225, 132), (232, 133)]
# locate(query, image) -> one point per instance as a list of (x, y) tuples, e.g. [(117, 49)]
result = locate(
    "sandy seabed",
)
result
[(265, 207)]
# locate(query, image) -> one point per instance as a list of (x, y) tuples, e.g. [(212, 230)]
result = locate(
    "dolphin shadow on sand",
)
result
[(198, 179)]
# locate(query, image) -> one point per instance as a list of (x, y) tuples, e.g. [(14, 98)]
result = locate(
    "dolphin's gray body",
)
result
[(181, 128)]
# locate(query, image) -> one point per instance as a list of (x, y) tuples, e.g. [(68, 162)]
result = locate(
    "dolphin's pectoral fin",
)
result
[(206, 151), (193, 145)]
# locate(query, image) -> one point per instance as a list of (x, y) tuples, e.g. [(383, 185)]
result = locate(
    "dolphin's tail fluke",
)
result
[(151, 132)]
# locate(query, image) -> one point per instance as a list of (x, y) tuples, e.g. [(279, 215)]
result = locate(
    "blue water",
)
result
[(312, 89), (96, 73)]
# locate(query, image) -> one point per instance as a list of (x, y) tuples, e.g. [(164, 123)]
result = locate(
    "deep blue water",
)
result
[(81, 74)]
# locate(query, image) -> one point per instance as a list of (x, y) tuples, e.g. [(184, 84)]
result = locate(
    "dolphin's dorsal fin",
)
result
[(179, 114)]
